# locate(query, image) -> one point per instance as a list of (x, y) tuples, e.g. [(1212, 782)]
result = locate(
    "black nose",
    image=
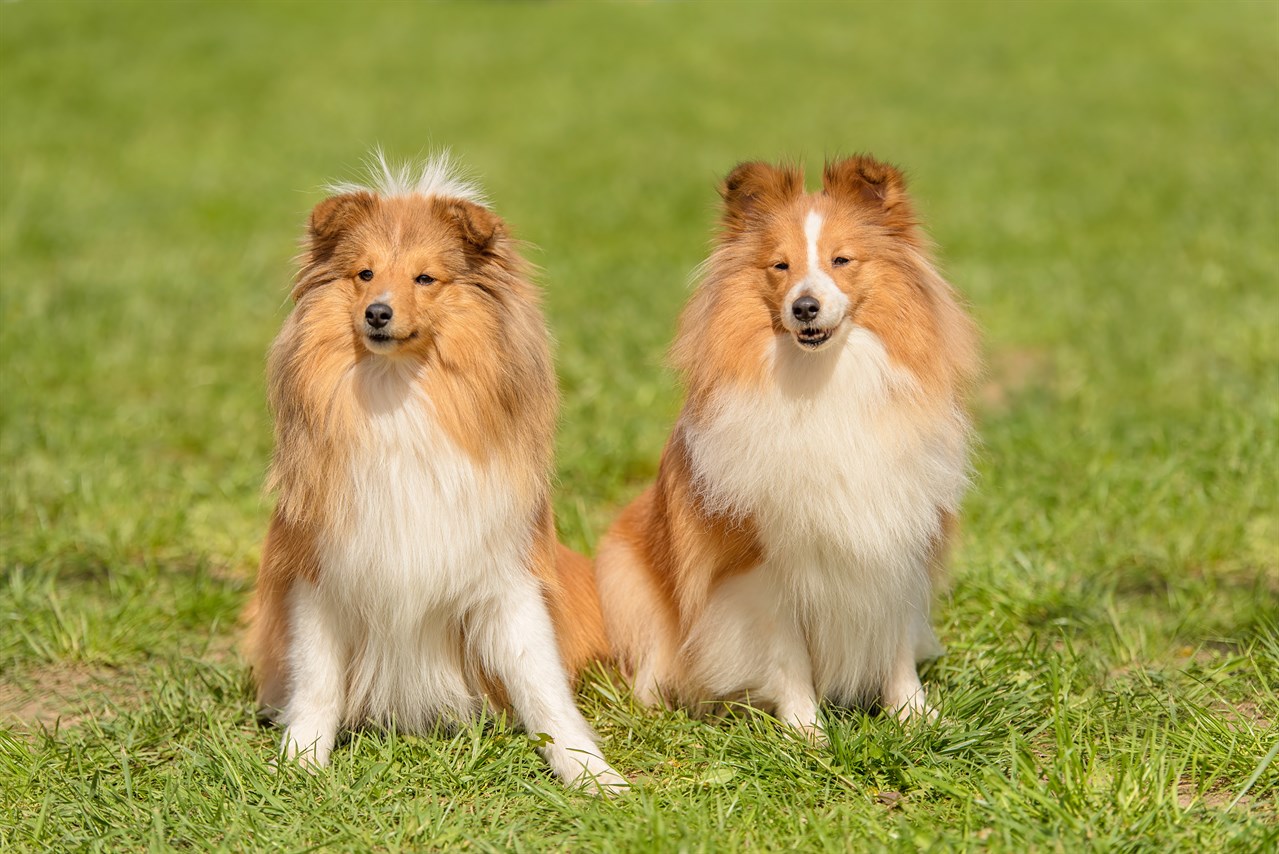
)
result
[(805, 309), (377, 315)]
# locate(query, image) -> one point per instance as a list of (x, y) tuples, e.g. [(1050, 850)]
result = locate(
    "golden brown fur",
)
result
[(476, 340), (671, 549)]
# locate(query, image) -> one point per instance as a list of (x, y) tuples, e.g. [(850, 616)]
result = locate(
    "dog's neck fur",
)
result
[(833, 453)]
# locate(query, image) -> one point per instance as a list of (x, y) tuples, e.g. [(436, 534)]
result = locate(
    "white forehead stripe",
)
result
[(812, 230), (816, 283)]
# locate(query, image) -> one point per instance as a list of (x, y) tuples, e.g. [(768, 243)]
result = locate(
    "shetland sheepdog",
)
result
[(788, 552), (411, 574)]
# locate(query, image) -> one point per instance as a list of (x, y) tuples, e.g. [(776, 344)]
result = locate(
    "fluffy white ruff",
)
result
[(433, 549), (845, 480)]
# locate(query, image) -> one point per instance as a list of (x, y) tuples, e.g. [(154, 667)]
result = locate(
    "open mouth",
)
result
[(811, 337), (377, 338)]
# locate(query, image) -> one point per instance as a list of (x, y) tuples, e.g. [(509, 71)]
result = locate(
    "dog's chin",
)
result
[(813, 338), (384, 343)]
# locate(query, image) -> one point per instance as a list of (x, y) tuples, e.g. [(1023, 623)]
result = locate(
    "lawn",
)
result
[(1102, 182)]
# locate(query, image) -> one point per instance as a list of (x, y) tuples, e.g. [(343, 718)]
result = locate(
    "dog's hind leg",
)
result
[(641, 627)]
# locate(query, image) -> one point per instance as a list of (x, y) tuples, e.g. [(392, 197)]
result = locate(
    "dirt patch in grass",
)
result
[(1188, 794), (65, 695), (1219, 797), (1008, 373), (1245, 711)]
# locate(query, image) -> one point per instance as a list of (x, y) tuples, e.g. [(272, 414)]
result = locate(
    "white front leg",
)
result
[(749, 641), (514, 637), (903, 694), (317, 663)]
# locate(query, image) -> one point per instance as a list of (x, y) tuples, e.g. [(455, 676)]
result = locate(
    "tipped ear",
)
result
[(874, 185), (333, 218), (479, 227), (753, 187)]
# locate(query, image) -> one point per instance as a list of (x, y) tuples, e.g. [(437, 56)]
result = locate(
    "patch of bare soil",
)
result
[(65, 695), (1218, 798), (1008, 373), (1245, 711)]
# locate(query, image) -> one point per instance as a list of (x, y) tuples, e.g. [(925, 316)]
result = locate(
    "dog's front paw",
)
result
[(913, 708), (310, 751), (814, 733), (606, 782), (800, 714), (591, 774)]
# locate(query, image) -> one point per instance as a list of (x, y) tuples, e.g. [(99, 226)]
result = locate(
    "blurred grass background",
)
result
[(1102, 180)]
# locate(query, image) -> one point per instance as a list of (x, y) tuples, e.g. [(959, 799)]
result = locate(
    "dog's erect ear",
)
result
[(478, 226), (752, 188), (332, 218), (874, 185)]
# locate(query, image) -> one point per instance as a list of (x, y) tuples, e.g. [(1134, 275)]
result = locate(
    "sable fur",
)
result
[(411, 572), (789, 548)]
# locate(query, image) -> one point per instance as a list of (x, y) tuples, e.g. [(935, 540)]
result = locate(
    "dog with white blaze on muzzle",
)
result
[(788, 552)]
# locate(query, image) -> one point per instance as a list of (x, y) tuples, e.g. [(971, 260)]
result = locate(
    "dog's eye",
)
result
[(781, 265), (366, 275), (424, 279), (841, 261)]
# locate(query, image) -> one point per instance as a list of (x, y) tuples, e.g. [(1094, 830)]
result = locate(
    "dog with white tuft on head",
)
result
[(411, 574)]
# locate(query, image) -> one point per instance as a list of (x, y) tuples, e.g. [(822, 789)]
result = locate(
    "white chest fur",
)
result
[(825, 457), (845, 481), (424, 535)]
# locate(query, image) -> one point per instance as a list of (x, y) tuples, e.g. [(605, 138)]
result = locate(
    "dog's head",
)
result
[(411, 292), (400, 269), (817, 257)]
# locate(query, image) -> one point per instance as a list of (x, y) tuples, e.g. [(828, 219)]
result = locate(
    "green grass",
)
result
[(1103, 183)]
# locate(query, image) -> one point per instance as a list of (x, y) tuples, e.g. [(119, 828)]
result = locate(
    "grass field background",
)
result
[(1102, 180)]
